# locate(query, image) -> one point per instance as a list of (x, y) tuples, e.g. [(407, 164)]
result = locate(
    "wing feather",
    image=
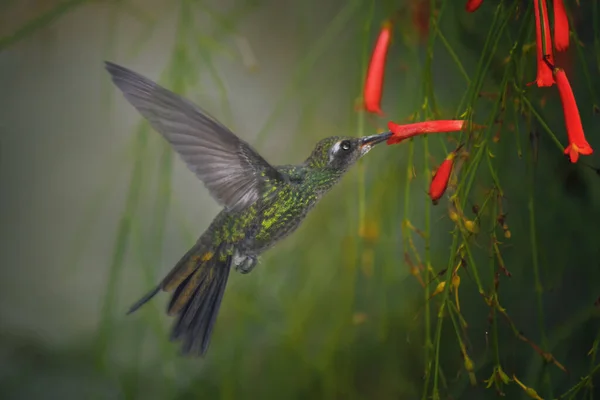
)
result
[(233, 172)]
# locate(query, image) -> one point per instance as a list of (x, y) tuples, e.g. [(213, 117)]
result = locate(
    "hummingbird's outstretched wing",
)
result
[(234, 173)]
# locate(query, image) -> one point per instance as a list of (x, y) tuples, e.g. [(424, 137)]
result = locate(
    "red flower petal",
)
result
[(561, 26), (577, 141), (375, 73), (439, 183), (402, 132)]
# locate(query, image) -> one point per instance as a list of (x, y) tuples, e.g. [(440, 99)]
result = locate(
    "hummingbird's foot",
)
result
[(246, 264)]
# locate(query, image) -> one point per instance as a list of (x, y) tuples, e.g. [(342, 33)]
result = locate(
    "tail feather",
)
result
[(198, 283), (198, 316), (144, 300), (181, 272), (177, 293), (184, 268), (207, 328), (201, 292), (186, 291)]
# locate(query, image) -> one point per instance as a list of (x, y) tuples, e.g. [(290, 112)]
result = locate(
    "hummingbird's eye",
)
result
[(345, 145)]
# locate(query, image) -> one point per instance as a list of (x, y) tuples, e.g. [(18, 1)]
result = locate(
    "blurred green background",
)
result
[(96, 208)]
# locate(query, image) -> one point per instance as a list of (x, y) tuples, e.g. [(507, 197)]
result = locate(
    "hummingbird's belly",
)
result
[(276, 226), (267, 238), (259, 227)]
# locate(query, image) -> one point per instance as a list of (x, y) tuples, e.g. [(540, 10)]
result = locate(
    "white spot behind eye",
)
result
[(334, 149)]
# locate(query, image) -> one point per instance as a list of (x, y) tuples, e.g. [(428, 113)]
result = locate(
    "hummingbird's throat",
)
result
[(365, 148)]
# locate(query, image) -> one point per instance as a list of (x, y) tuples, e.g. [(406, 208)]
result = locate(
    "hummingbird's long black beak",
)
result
[(370, 141)]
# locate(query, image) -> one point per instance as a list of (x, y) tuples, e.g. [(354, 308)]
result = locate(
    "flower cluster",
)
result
[(547, 75), (372, 94)]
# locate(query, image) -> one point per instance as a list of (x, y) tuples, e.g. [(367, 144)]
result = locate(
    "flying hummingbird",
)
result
[(262, 203)]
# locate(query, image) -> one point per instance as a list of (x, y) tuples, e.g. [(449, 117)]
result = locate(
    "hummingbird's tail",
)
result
[(198, 281)]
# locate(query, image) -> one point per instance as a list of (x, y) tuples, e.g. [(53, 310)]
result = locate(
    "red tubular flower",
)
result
[(561, 26), (473, 5), (402, 132), (375, 73), (439, 183), (544, 74), (577, 142)]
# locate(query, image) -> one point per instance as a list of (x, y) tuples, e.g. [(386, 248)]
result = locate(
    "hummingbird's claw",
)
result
[(246, 264)]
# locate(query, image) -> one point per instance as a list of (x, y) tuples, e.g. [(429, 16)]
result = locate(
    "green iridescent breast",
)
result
[(280, 210)]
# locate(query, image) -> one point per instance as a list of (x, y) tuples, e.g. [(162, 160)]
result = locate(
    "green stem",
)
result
[(492, 273), (479, 70), (429, 99), (517, 131), (536, 267), (121, 245), (440, 320), (493, 173), (360, 116), (543, 18), (427, 173), (472, 261), (428, 92), (543, 123), (453, 55), (584, 382)]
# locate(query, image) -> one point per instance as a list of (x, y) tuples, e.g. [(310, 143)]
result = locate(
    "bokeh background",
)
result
[(96, 208)]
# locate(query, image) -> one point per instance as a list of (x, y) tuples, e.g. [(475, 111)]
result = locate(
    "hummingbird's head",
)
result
[(338, 153)]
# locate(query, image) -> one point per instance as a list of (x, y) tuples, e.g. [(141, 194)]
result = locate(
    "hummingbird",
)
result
[(262, 203)]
